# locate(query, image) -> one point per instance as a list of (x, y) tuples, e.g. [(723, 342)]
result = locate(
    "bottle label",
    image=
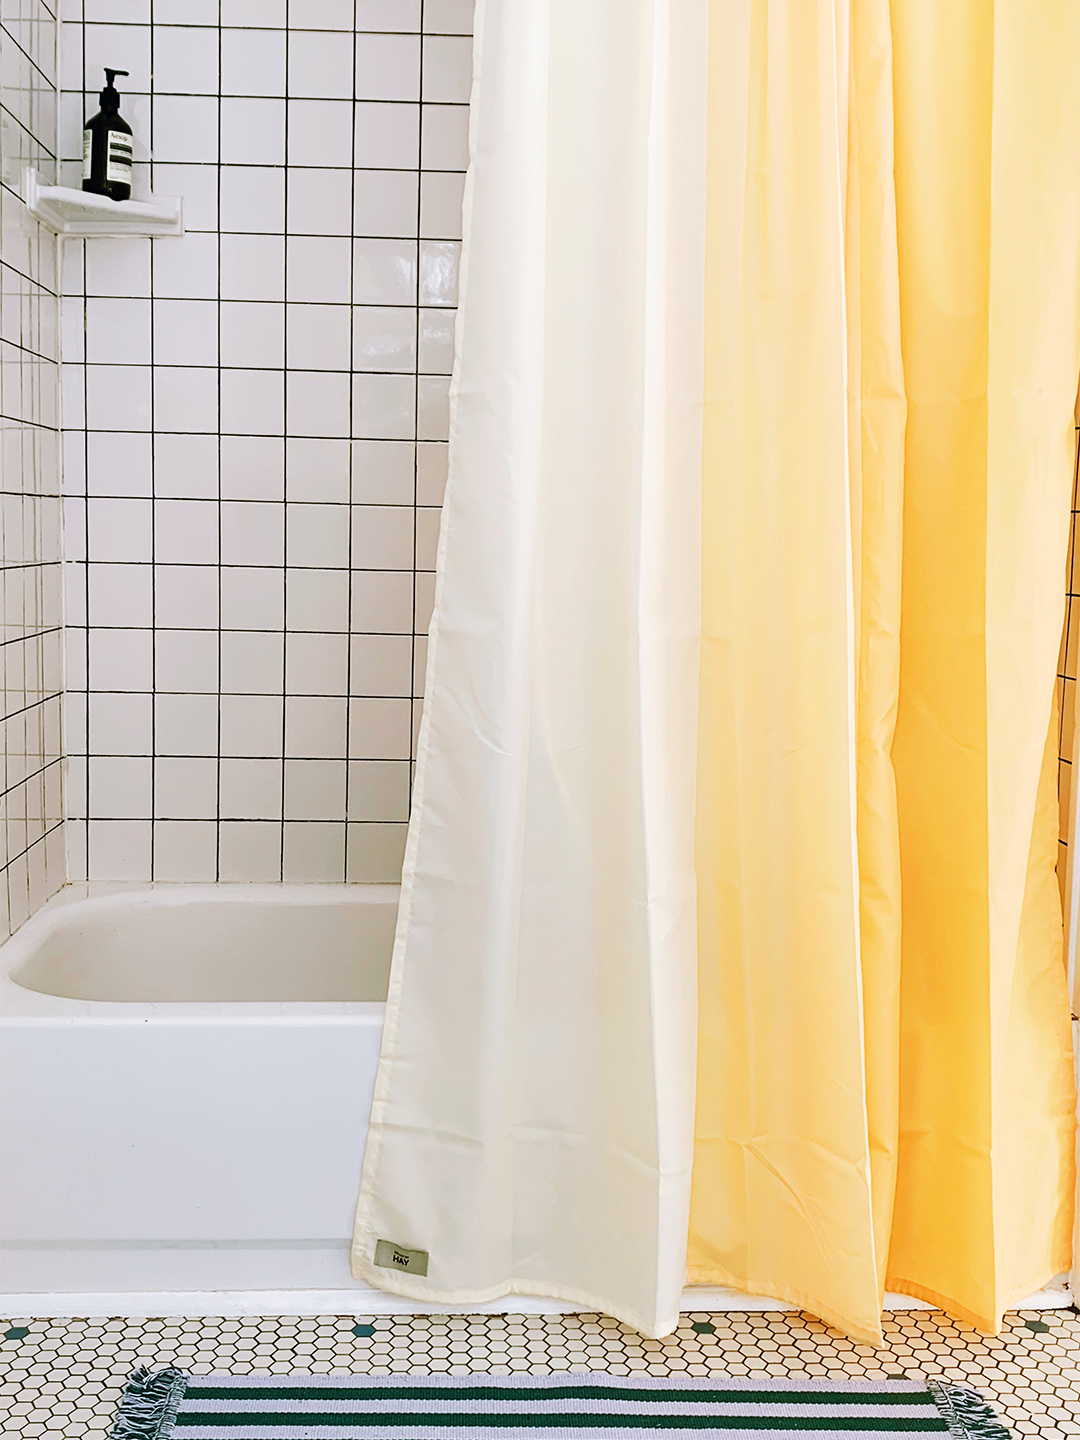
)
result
[(87, 152), (118, 167)]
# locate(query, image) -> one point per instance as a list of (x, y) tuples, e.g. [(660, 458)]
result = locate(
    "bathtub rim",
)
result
[(21, 1005)]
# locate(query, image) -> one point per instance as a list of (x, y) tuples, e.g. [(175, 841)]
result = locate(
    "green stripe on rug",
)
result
[(349, 1407)]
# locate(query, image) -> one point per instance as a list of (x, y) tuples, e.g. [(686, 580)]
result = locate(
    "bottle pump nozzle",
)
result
[(109, 96)]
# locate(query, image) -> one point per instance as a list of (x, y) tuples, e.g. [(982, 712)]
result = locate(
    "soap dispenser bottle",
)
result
[(108, 146)]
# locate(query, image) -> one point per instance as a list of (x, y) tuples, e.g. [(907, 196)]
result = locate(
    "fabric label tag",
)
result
[(396, 1257)]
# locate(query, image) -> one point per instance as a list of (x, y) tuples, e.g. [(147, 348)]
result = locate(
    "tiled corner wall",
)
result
[(31, 833), (255, 432)]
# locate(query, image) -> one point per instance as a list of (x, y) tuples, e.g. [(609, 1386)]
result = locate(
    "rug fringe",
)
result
[(149, 1404), (968, 1414)]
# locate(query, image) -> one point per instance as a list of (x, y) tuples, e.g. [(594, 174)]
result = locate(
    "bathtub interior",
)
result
[(216, 945)]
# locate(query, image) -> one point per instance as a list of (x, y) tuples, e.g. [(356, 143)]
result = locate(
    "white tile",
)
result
[(250, 789), (318, 403), (384, 272), (252, 726), (119, 463), (327, 15), (197, 185), (252, 597), (382, 602), (436, 341), (185, 332), (186, 268), (252, 402), (123, 47), (383, 407), (383, 472), (447, 69), (249, 851), (118, 332), (445, 140), (388, 67), (381, 665), (318, 337), (425, 601), (313, 852), (253, 334), (124, 12), (120, 594), (378, 790), (119, 529), (186, 12), (439, 262), (448, 17), (186, 661), (252, 267), (116, 267), (320, 132), (385, 339), (433, 407), (382, 537), (73, 396), (186, 596), (185, 60), (317, 535), (318, 468), (318, 269), (315, 789), (388, 14), (252, 467), (320, 66), (317, 600), (270, 13), (315, 727), (316, 664), (252, 132), (185, 399), (252, 62), (186, 128), (441, 194), (252, 663), (185, 724), (379, 729), (375, 853), (186, 466), (253, 199), (120, 724), (186, 532), (387, 135), (117, 397), (119, 788), (118, 850), (185, 788), (320, 200), (252, 533), (185, 850), (386, 203)]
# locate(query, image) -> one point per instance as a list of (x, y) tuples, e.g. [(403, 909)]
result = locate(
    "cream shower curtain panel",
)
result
[(730, 944)]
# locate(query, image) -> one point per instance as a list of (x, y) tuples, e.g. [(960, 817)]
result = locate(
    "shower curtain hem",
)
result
[(399, 1285), (972, 1317), (713, 1275)]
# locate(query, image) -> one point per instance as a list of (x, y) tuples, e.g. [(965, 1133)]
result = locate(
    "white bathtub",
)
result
[(186, 1078)]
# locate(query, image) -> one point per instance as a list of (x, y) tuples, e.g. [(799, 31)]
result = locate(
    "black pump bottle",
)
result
[(108, 146)]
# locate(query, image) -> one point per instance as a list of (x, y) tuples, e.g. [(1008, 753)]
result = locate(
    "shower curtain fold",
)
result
[(533, 1121)]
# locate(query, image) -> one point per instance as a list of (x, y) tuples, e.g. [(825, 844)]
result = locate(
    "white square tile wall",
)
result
[(31, 834), (255, 432)]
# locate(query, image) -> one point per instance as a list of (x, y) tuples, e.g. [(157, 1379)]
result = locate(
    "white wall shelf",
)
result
[(80, 213)]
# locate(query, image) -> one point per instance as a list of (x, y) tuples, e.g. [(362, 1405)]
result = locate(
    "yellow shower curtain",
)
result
[(892, 344)]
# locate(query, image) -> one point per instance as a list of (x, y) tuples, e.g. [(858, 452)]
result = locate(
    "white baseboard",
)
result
[(362, 1301)]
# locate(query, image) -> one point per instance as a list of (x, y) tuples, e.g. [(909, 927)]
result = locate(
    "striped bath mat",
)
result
[(172, 1406)]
